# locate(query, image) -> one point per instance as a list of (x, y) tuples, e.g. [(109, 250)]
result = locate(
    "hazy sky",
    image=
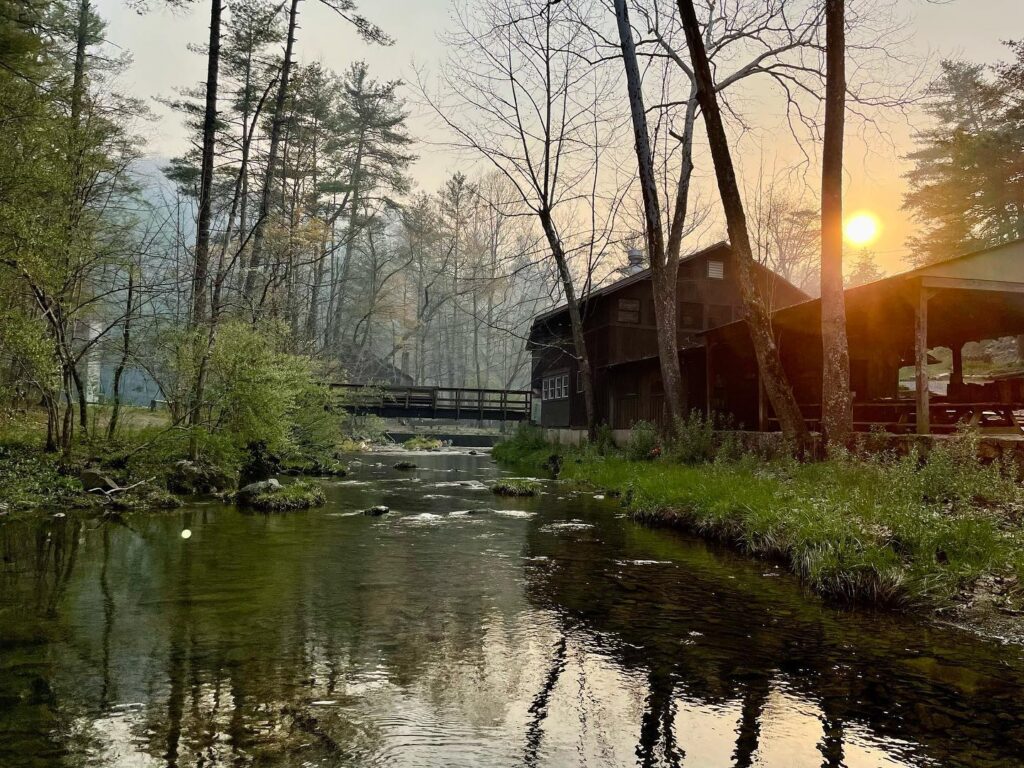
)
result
[(158, 43)]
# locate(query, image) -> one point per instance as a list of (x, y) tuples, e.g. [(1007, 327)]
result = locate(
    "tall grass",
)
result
[(885, 530)]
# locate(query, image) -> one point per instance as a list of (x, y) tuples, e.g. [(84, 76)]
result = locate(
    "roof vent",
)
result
[(636, 262)]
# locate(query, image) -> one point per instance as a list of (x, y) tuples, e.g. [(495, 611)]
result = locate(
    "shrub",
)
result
[(528, 448), (643, 443), (693, 439)]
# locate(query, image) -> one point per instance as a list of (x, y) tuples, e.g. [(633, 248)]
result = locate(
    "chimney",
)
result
[(636, 262)]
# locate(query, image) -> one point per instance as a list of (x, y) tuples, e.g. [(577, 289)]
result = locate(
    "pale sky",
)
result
[(162, 62)]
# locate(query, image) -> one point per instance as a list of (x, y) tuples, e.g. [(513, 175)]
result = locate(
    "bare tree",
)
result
[(836, 403), (773, 375), (519, 93)]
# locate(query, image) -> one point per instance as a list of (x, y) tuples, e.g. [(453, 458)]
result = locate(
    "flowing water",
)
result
[(550, 632)]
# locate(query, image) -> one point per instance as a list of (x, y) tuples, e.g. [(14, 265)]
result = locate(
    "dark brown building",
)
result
[(621, 340), (894, 323)]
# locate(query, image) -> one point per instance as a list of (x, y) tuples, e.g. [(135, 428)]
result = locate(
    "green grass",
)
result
[(886, 531), (298, 495), (421, 443), (514, 487)]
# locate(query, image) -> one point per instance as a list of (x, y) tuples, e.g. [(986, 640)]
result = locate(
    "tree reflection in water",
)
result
[(567, 638)]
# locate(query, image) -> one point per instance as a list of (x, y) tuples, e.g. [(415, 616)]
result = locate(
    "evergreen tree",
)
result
[(967, 184)]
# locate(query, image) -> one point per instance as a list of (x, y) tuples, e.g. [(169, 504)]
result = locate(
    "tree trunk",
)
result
[(773, 375), (664, 266), (276, 126), (200, 276), (78, 78), (126, 336), (576, 321), (836, 406)]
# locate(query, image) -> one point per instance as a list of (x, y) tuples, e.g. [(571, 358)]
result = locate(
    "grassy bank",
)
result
[(146, 466), (887, 530)]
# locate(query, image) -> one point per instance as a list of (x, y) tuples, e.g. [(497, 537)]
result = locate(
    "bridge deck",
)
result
[(438, 402)]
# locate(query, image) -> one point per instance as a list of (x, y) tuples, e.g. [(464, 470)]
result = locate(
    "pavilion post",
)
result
[(957, 376), (921, 360)]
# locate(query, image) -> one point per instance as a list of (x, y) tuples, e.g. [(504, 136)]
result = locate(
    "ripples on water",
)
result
[(548, 632)]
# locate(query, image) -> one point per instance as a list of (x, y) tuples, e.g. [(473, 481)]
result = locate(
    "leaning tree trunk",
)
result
[(836, 407), (773, 375), (576, 321), (664, 266), (276, 126)]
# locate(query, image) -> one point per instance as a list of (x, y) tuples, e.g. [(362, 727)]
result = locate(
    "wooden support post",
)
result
[(504, 403), (458, 398), (762, 411), (921, 360), (957, 376), (707, 380)]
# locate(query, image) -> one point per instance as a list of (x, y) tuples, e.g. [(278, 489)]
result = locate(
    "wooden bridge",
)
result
[(437, 402)]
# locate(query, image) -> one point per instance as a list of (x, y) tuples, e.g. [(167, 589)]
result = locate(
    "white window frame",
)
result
[(555, 387)]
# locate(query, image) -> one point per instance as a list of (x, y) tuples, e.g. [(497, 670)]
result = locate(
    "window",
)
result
[(691, 315), (716, 270), (629, 311), (555, 387)]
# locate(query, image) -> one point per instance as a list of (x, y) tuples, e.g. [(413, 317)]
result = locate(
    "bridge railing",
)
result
[(440, 401)]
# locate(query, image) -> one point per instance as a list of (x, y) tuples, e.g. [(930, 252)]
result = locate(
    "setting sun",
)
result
[(861, 229)]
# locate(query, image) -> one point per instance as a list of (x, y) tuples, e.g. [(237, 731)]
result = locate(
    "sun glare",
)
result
[(861, 229)]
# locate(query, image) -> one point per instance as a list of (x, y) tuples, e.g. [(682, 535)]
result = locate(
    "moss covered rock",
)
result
[(271, 496)]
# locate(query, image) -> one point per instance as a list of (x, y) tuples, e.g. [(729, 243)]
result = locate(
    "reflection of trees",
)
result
[(753, 635), (37, 562), (539, 706), (231, 636)]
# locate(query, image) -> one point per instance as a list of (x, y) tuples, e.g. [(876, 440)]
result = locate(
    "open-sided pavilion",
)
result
[(891, 323)]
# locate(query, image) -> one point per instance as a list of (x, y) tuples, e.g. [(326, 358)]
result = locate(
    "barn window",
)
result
[(716, 270), (629, 311), (555, 387)]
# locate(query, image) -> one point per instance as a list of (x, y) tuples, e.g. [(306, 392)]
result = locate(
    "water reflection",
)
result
[(557, 634)]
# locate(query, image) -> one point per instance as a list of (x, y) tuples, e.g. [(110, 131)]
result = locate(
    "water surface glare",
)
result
[(548, 632)]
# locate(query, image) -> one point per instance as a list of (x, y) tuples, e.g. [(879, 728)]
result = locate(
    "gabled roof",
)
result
[(624, 282), (998, 271)]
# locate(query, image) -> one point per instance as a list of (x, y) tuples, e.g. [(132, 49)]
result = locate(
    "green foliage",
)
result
[(644, 443), (515, 487), (256, 392), (693, 439), (964, 186), (298, 495), (528, 449), (887, 530), (421, 443), (27, 354), (30, 479)]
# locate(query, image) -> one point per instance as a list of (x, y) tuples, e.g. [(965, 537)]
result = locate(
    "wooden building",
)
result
[(891, 324), (620, 333)]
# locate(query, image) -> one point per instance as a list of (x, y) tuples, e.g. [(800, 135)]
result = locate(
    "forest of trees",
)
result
[(290, 246)]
